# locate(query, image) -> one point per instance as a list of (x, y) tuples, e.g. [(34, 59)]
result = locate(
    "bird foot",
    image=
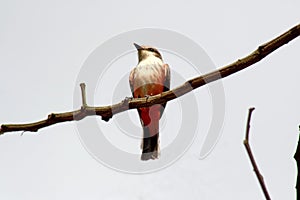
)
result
[(127, 99), (147, 97)]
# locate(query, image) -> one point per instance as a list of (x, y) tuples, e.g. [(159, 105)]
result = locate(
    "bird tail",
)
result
[(150, 145)]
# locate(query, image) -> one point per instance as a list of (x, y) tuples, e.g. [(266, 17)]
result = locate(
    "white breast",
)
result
[(149, 70)]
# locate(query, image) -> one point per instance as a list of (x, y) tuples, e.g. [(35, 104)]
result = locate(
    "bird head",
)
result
[(146, 51)]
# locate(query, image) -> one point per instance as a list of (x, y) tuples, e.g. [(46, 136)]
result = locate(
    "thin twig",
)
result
[(250, 154), (83, 95), (106, 112), (248, 123)]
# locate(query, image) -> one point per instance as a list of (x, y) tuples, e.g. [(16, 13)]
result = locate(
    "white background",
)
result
[(42, 47)]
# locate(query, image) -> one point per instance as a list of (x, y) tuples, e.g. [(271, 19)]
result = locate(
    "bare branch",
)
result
[(83, 95), (106, 112), (248, 123), (250, 154), (297, 158)]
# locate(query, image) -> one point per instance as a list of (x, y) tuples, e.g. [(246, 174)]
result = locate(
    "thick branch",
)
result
[(106, 112), (250, 154)]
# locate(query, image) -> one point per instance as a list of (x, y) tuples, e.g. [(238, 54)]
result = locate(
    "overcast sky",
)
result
[(44, 45)]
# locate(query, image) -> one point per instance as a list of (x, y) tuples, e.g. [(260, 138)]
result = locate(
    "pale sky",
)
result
[(44, 47)]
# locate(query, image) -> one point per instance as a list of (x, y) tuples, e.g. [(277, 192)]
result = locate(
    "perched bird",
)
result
[(150, 77)]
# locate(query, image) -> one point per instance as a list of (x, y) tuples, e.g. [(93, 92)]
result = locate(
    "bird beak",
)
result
[(138, 47)]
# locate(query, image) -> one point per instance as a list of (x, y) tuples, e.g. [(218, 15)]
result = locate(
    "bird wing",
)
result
[(131, 79), (167, 77), (166, 85)]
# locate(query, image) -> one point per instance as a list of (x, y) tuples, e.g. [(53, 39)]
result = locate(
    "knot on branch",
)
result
[(106, 118), (2, 129), (51, 116), (260, 49)]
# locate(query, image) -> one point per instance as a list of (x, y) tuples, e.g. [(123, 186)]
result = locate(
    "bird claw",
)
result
[(147, 97), (127, 99)]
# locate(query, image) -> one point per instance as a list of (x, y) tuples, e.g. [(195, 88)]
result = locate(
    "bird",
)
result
[(151, 76)]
